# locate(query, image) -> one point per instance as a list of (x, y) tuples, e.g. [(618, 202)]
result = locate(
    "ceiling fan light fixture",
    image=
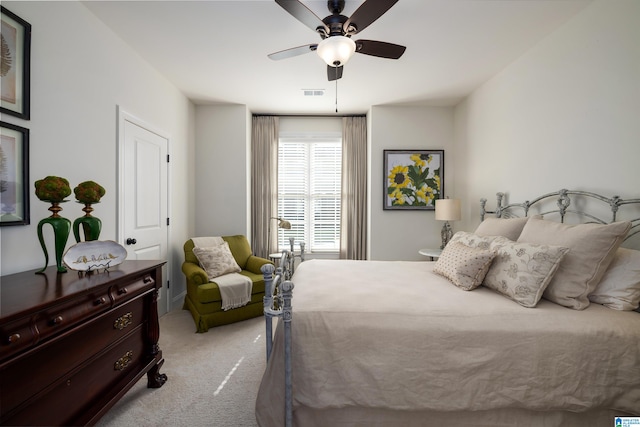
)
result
[(336, 50)]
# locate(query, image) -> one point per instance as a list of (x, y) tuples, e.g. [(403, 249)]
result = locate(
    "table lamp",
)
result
[(447, 210)]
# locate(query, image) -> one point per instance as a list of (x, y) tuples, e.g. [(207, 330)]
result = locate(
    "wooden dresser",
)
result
[(71, 345)]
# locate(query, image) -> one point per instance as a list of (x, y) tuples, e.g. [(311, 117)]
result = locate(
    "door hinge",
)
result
[(167, 158), (168, 284), (167, 221)]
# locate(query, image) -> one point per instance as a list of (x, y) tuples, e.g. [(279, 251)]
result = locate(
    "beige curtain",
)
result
[(264, 182), (353, 221)]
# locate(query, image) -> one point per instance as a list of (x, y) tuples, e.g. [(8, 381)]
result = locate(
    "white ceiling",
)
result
[(216, 51)]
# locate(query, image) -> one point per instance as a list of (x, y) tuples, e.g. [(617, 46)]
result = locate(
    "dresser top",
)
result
[(27, 290)]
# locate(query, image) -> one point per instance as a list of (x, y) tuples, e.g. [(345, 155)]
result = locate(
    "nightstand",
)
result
[(275, 257), (431, 253)]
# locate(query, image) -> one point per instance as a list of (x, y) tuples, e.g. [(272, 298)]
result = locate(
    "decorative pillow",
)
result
[(216, 260), (472, 240), (522, 271), (592, 247), (463, 265), (620, 286), (506, 227)]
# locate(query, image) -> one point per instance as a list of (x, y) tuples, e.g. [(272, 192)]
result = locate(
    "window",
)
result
[(309, 171)]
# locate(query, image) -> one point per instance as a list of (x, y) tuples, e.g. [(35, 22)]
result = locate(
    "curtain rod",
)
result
[(310, 115)]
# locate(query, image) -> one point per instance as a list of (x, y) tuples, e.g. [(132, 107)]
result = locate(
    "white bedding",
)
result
[(395, 337)]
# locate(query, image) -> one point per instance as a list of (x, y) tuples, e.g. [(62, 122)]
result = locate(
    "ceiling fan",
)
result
[(337, 47)]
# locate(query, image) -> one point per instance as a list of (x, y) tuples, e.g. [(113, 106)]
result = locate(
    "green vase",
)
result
[(61, 228), (91, 226)]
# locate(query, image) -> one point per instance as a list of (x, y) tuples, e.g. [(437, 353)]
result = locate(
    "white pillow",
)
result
[(522, 271), (463, 265), (472, 240), (216, 260), (506, 227), (592, 247), (620, 286)]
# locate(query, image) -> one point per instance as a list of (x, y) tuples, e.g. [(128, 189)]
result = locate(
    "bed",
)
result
[(395, 343)]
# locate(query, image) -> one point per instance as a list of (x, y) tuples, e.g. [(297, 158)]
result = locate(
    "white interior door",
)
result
[(143, 199)]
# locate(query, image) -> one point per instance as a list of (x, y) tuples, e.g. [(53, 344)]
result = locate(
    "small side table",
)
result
[(275, 256), (431, 253)]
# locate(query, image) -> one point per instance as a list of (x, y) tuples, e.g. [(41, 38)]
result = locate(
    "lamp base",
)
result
[(446, 234)]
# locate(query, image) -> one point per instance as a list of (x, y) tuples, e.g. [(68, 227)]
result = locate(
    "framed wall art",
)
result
[(15, 70), (14, 175), (413, 179)]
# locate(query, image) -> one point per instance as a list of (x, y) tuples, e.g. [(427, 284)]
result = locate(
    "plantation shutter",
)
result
[(309, 173)]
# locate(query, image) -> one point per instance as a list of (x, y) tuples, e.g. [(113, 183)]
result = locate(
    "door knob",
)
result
[(131, 241)]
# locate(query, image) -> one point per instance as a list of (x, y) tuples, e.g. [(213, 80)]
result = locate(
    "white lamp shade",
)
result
[(336, 50), (448, 210)]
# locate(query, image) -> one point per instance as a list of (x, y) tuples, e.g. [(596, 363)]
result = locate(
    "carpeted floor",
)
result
[(213, 378)]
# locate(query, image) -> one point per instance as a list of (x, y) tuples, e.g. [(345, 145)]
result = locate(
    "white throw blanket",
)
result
[(206, 242), (235, 289)]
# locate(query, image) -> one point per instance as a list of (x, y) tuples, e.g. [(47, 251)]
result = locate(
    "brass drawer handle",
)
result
[(124, 361), (147, 280), (122, 291), (123, 321), (100, 301), (13, 338)]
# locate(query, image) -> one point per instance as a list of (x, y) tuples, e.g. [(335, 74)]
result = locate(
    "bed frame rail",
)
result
[(277, 303), (564, 202)]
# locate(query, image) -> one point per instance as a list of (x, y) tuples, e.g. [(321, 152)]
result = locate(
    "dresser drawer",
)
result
[(122, 292), (59, 404), (64, 316), (22, 333), (16, 336), (43, 366)]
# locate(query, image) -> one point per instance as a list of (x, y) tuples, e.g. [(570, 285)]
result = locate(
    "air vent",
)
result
[(313, 92)]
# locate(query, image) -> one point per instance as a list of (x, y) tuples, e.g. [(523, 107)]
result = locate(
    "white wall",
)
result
[(393, 234), (222, 170), (80, 72), (564, 115), (295, 125)]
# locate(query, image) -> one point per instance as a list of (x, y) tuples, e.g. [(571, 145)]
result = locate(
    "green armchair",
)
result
[(203, 298)]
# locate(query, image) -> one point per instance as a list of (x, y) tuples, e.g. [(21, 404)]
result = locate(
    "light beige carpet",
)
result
[(213, 377)]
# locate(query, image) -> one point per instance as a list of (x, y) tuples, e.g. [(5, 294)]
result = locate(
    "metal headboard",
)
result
[(564, 200)]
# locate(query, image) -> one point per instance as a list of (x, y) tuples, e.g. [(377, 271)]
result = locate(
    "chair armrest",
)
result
[(254, 263), (194, 273)]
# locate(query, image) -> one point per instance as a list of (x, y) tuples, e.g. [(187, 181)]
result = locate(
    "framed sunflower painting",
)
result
[(413, 179)]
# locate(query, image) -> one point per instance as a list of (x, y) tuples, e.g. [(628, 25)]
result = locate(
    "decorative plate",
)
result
[(94, 255)]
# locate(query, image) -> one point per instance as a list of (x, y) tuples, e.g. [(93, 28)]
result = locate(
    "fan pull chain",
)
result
[(336, 68), (336, 94)]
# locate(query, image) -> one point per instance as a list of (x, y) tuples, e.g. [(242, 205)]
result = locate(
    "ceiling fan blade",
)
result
[(366, 14), (334, 73), (294, 51), (380, 49), (303, 14)]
